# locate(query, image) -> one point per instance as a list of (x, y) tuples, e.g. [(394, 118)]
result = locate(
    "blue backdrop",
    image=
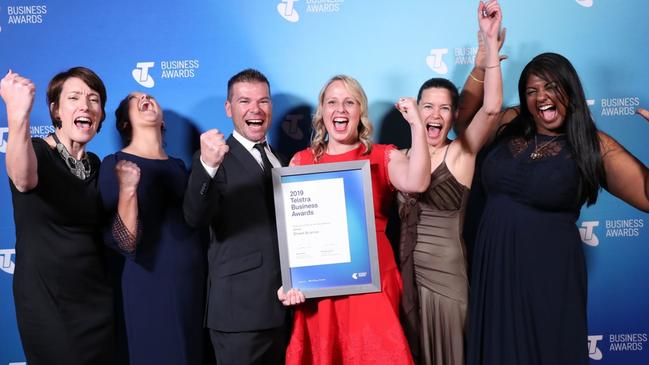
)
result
[(184, 52)]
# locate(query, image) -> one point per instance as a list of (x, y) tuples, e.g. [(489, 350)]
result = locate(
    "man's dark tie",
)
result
[(264, 158)]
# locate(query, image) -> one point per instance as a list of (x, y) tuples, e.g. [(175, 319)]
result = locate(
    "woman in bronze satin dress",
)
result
[(433, 257)]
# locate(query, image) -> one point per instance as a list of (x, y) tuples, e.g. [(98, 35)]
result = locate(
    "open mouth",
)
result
[(434, 129), (340, 124), (83, 123), (145, 106), (254, 122), (548, 112)]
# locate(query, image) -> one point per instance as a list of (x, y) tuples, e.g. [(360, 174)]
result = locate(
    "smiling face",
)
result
[(341, 114), (79, 110), (436, 111), (546, 104), (251, 109), (143, 108)]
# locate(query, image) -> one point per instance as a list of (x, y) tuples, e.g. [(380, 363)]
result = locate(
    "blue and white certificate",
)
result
[(318, 234), (325, 227)]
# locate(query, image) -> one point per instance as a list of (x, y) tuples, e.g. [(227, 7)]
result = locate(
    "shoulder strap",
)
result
[(446, 151)]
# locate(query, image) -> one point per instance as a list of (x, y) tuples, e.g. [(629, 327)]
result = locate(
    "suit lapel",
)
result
[(245, 161)]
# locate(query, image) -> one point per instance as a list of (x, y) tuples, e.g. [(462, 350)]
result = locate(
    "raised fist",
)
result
[(408, 109), (128, 175), (213, 148), (18, 94)]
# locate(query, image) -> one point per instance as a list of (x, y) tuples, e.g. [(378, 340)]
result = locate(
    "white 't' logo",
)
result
[(291, 126), (585, 3), (436, 62), (286, 10), (3, 142), (141, 74), (587, 234), (593, 352), (6, 264)]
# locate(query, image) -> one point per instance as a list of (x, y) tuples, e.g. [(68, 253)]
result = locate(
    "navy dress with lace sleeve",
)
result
[(163, 276)]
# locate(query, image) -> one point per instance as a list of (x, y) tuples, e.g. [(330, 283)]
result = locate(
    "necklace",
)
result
[(79, 168), (536, 154), (434, 151)]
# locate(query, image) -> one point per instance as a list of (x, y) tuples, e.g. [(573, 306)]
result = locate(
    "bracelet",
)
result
[(476, 79), (494, 66)]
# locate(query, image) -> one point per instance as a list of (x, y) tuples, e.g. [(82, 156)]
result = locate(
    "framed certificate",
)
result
[(326, 231)]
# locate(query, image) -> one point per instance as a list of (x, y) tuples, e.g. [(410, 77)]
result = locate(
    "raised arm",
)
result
[(626, 177), (485, 121), (18, 95), (125, 225), (644, 113), (201, 199), (472, 92), (411, 174)]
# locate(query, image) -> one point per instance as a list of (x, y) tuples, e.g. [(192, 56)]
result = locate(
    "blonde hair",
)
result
[(320, 136)]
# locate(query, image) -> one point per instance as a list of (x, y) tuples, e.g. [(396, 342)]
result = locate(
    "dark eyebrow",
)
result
[(76, 92)]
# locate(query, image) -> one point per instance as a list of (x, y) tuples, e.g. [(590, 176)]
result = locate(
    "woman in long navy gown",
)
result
[(528, 282), (163, 277)]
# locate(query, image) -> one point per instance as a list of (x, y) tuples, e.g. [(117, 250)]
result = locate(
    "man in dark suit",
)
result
[(230, 190)]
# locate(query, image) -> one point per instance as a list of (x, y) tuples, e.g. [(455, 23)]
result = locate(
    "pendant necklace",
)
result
[(537, 153)]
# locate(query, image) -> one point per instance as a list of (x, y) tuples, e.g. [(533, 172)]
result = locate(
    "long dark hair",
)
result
[(580, 129)]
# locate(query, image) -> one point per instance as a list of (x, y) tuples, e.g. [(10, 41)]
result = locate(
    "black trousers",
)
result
[(252, 348)]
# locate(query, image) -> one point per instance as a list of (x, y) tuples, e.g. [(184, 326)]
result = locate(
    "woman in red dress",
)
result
[(362, 328)]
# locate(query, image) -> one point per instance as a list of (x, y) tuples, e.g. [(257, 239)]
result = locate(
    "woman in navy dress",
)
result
[(163, 276), (528, 282)]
